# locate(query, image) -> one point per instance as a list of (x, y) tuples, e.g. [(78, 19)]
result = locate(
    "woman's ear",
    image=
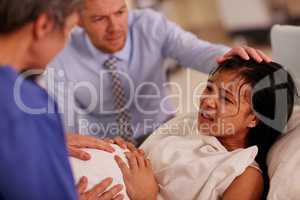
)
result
[(253, 121), (80, 19), (42, 26)]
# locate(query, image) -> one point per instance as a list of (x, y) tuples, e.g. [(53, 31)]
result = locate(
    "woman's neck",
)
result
[(232, 143), (14, 51)]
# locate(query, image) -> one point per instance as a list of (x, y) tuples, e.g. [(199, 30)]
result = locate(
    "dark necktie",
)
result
[(123, 117)]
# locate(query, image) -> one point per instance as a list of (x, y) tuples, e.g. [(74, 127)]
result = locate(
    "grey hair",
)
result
[(81, 5), (14, 14)]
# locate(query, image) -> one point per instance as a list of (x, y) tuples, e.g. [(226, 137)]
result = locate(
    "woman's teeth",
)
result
[(206, 116)]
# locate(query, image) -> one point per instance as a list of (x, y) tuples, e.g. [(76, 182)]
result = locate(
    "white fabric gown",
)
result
[(189, 165)]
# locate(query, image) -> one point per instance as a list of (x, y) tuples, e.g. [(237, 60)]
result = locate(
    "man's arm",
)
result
[(191, 51), (183, 46)]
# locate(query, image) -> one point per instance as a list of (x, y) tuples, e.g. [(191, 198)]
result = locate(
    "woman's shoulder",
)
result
[(249, 185), (255, 166)]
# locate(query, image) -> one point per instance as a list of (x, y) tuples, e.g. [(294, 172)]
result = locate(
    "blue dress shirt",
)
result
[(83, 87), (34, 161)]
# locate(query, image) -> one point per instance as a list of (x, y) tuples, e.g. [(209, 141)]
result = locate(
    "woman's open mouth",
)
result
[(206, 117)]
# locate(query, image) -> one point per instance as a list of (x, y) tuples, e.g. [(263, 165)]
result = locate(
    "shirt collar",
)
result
[(124, 53)]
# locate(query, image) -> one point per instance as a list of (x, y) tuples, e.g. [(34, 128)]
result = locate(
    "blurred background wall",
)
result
[(187, 13), (230, 22), (241, 20), (192, 13)]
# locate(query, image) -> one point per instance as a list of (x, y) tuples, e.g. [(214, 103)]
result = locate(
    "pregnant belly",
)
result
[(102, 165)]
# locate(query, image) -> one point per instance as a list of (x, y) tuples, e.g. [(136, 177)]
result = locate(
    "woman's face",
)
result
[(225, 106)]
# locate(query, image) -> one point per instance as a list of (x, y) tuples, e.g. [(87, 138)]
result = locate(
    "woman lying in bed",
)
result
[(221, 151)]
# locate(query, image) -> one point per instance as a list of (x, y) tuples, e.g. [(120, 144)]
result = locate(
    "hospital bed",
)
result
[(284, 158)]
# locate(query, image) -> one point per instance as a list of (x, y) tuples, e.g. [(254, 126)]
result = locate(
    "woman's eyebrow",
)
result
[(228, 92), (210, 81)]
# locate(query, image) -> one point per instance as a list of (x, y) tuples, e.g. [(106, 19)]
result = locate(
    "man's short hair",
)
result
[(14, 14)]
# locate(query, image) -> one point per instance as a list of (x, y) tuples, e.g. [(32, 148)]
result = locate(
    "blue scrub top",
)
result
[(33, 158)]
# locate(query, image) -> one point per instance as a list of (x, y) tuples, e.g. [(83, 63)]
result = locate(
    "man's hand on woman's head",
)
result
[(246, 53), (76, 142), (138, 176), (100, 191)]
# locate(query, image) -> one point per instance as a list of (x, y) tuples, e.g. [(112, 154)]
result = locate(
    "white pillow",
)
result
[(284, 162), (102, 165)]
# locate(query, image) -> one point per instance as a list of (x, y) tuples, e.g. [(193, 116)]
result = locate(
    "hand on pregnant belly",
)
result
[(99, 192), (138, 176), (76, 143), (101, 166)]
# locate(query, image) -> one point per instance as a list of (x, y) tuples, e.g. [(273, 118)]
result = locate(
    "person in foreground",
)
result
[(243, 110), (34, 160)]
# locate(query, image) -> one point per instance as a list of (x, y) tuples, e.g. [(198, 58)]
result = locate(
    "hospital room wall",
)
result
[(201, 13)]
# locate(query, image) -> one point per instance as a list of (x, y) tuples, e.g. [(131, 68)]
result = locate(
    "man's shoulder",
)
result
[(77, 34), (145, 13), (75, 48), (77, 40), (148, 24), (17, 99), (142, 16)]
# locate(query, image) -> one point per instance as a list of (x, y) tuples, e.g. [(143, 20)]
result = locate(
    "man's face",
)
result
[(106, 23)]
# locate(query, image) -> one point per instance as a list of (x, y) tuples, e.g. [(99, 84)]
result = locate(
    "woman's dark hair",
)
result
[(14, 14), (273, 96)]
